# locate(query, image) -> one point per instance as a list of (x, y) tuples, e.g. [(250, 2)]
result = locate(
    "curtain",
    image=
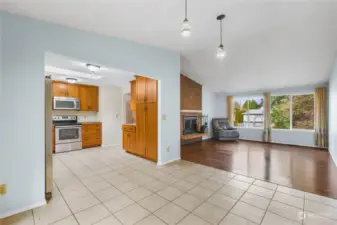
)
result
[(230, 110), (267, 117), (321, 133)]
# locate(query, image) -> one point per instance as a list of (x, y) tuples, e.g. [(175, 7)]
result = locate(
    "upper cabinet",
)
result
[(61, 89), (146, 90), (133, 95), (89, 98), (87, 94)]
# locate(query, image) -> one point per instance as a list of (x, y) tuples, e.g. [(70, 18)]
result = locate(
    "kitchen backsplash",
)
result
[(81, 116)]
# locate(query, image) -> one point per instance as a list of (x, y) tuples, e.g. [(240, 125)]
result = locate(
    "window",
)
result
[(292, 111), (280, 112), (249, 112), (303, 111)]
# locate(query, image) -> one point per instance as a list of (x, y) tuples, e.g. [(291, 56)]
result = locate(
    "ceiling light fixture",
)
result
[(185, 29), (71, 80), (220, 53), (71, 73), (93, 68)]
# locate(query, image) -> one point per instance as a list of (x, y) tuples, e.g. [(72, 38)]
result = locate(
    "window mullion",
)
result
[(291, 112)]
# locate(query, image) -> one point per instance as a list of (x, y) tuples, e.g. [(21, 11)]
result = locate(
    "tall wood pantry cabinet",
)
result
[(146, 118)]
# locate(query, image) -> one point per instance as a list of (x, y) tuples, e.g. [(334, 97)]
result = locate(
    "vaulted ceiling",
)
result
[(269, 43)]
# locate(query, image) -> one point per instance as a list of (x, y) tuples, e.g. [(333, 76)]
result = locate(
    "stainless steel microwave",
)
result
[(63, 103)]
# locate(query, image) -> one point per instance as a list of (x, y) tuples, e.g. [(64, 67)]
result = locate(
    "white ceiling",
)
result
[(269, 43), (110, 76)]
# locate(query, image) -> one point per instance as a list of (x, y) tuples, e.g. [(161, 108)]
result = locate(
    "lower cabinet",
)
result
[(129, 138), (91, 135)]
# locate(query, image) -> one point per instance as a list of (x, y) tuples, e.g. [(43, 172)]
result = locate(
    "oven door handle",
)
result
[(71, 126)]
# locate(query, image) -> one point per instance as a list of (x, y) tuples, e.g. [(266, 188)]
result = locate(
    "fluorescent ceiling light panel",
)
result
[(71, 73)]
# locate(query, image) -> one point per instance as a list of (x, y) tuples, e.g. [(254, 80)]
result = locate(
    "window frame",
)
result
[(248, 98), (291, 112)]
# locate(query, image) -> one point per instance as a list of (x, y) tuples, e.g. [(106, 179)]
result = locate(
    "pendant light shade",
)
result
[(220, 53), (185, 29)]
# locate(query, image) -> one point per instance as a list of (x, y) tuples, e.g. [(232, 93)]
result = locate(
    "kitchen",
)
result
[(86, 103), (93, 106)]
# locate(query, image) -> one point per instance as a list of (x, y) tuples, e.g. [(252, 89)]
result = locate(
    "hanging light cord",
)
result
[(220, 32), (185, 9)]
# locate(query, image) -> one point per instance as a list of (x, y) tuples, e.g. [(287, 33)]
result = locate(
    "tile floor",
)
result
[(106, 186)]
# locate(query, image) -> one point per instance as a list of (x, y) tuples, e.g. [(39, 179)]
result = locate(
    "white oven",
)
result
[(63, 103)]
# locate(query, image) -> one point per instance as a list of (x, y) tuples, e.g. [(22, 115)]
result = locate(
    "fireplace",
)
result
[(190, 124)]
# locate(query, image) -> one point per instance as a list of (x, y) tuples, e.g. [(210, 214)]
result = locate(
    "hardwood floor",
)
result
[(308, 169)]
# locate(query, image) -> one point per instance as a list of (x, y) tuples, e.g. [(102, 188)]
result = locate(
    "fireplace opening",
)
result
[(190, 124)]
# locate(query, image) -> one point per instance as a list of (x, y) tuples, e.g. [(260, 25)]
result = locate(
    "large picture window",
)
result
[(280, 111), (292, 111), (303, 111), (249, 112)]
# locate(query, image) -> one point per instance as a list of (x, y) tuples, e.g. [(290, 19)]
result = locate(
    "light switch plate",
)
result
[(3, 189), (164, 116)]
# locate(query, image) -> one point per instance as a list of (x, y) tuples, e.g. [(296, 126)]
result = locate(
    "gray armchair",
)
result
[(222, 130)]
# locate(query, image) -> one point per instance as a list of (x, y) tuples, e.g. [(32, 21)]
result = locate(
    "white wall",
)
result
[(333, 114), (208, 108), (110, 114), (25, 42), (220, 106)]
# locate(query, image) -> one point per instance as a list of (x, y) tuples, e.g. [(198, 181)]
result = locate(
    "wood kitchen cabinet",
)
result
[(133, 96), (89, 98), (61, 89), (129, 138), (147, 130), (146, 89), (91, 135)]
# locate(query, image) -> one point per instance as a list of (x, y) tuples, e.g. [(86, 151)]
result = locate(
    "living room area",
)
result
[(279, 135)]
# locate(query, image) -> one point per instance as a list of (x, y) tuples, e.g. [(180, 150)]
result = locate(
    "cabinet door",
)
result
[(73, 91), (93, 98), (60, 89), (140, 131), (133, 99), (132, 142), (151, 138), (141, 89), (151, 90), (125, 140), (89, 98)]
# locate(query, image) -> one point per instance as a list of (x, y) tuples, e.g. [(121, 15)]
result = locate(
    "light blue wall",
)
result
[(25, 42), (333, 114)]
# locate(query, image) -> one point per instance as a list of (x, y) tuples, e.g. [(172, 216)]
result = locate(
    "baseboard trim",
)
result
[(14, 212), (167, 162)]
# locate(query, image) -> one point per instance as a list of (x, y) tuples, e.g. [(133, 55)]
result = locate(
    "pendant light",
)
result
[(220, 53), (185, 29)]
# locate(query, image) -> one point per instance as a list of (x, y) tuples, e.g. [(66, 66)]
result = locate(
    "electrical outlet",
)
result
[(168, 148), (3, 189)]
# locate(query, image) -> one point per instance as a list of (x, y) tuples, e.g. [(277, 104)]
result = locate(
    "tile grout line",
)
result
[(124, 193), (269, 204), (239, 201), (88, 190), (66, 204)]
